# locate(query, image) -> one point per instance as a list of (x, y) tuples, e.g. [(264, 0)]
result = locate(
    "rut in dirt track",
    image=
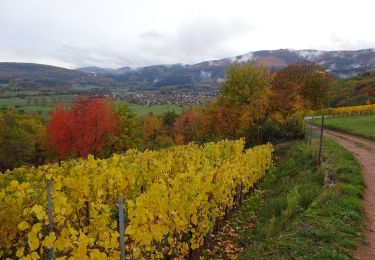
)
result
[(364, 151)]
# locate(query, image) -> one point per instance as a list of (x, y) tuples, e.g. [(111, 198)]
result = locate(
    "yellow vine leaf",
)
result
[(34, 256), (39, 211), (20, 252), (49, 240), (23, 225), (33, 241)]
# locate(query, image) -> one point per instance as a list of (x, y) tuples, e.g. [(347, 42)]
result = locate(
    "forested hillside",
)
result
[(341, 64), (34, 76), (358, 90), (206, 74)]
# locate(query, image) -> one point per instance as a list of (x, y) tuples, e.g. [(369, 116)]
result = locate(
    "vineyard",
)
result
[(347, 111), (173, 199)]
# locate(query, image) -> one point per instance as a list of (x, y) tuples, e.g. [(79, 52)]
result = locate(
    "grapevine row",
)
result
[(347, 111), (173, 198)]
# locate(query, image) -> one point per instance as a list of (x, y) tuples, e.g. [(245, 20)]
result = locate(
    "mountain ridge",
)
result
[(341, 64), (205, 74), (307, 54), (32, 75)]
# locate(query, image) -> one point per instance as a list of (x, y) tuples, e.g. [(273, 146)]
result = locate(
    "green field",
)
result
[(361, 125), (156, 109), (39, 105), (34, 101), (36, 105)]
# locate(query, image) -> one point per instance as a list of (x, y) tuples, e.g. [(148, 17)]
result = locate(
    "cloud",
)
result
[(190, 42), (194, 40), (338, 42), (101, 56), (151, 35), (116, 33), (209, 36)]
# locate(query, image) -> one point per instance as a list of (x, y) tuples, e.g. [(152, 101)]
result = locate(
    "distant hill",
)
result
[(207, 74), (30, 75), (358, 90), (341, 64)]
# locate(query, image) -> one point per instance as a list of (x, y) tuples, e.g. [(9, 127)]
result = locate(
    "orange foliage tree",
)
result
[(301, 86), (224, 120), (154, 133), (83, 128), (192, 125)]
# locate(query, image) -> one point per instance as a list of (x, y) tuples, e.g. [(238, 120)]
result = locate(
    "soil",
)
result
[(364, 151)]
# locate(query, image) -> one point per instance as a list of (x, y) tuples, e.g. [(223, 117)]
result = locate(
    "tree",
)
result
[(301, 86), (153, 132), (17, 147), (128, 134), (224, 121), (82, 129), (244, 99), (191, 125), (263, 106), (61, 131), (169, 118), (244, 83), (317, 85), (21, 139)]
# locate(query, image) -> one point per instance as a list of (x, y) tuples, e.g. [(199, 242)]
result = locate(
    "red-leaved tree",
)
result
[(83, 128)]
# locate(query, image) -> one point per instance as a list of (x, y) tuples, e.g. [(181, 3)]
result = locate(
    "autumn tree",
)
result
[(128, 134), (264, 106), (295, 89), (224, 121), (244, 84), (82, 129), (244, 98), (21, 139), (17, 147), (301, 86), (192, 125), (154, 135)]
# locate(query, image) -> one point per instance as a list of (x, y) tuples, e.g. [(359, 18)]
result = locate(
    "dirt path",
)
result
[(364, 151)]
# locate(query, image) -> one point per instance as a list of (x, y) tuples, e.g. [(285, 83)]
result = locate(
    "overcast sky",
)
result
[(117, 33)]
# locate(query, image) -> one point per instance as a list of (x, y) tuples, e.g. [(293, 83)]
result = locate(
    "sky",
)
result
[(136, 33)]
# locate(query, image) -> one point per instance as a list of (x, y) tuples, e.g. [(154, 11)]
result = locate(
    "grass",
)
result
[(361, 125), (22, 92), (21, 104), (293, 215), (156, 109)]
